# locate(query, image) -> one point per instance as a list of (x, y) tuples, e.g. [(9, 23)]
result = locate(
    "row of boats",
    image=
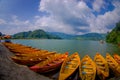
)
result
[(43, 61)]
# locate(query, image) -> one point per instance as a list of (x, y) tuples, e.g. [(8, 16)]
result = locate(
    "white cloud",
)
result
[(15, 21), (98, 4), (107, 21), (16, 25), (2, 21), (68, 16), (65, 16), (76, 17), (49, 24)]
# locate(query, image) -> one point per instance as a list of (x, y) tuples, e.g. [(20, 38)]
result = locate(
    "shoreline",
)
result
[(12, 71), (9, 70)]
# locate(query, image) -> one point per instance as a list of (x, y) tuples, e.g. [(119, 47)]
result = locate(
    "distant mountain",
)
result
[(41, 34), (114, 35), (36, 34), (91, 36), (62, 35), (88, 36)]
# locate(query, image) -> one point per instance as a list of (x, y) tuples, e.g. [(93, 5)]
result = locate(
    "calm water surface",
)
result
[(71, 46)]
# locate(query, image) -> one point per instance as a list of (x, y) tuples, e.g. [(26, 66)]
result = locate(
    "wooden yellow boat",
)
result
[(102, 66), (31, 60), (117, 58), (26, 50), (26, 61), (50, 64), (114, 66), (18, 48), (35, 54), (69, 66), (87, 69)]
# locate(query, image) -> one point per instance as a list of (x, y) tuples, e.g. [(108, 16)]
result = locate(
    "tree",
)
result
[(114, 35), (0, 34)]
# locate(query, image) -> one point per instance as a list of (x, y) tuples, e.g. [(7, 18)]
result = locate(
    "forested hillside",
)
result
[(114, 35), (36, 34)]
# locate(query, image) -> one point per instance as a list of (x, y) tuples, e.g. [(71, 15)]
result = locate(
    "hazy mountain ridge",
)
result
[(88, 36), (92, 36), (41, 34), (62, 35)]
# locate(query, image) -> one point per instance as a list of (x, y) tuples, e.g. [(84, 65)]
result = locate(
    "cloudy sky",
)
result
[(67, 16)]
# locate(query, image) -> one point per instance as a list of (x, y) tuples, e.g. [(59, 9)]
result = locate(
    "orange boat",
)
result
[(69, 66), (51, 64), (113, 65), (117, 58), (31, 60), (87, 69), (102, 66), (26, 61)]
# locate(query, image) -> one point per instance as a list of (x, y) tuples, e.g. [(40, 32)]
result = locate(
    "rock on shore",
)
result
[(12, 71)]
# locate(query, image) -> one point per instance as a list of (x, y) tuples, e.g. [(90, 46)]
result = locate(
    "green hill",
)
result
[(36, 34), (41, 34), (114, 35)]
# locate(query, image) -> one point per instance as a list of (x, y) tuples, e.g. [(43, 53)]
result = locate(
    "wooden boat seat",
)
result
[(83, 72), (98, 60), (87, 67), (103, 68), (101, 64), (73, 59), (85, 63)]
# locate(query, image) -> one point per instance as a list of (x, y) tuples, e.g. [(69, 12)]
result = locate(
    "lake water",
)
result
[(71, 46)]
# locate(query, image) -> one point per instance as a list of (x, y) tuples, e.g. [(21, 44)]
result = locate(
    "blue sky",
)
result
[(67, 16)]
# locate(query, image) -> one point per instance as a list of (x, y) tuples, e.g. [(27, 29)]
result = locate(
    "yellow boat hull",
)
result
[(114, 66), (87, 69), (117, 58), (102, 66), (69, 66), (50, 64)]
